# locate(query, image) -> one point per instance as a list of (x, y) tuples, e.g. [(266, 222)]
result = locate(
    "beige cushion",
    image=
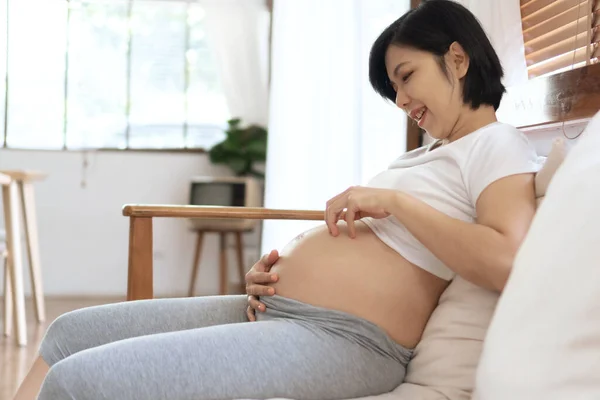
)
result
[(446, 357)]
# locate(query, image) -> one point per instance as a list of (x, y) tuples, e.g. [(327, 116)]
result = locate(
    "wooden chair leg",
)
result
[(239, 247), (31, 233), (140, 274), (196, 262), (224, 281), (13, 244), (8, 303)]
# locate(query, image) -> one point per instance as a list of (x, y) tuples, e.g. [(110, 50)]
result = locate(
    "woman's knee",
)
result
[(55, 385), (55, 343), (76, 377)]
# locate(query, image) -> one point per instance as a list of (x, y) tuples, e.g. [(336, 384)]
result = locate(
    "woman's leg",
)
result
[(95, 326), (265, 359)]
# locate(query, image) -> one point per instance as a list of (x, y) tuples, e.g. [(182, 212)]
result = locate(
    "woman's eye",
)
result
[(405, 77)]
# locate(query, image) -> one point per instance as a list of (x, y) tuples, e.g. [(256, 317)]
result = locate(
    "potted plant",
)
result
[(241, 148)]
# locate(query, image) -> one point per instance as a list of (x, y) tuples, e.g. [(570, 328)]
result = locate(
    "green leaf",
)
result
[(241, 147), (237, 165)]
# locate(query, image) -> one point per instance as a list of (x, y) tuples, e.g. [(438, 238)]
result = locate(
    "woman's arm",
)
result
[(481, 252)]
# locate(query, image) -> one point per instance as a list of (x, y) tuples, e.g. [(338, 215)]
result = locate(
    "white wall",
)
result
[(84, 237)]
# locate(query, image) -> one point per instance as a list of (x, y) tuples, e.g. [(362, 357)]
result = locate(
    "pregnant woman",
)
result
[(353, 295)]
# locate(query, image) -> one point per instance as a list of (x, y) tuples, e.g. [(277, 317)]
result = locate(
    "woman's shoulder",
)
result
[(497, 135), (498, 143), (502, 132), (496, 132)]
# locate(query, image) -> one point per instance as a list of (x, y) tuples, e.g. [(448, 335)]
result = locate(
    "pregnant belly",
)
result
[(360, 276)]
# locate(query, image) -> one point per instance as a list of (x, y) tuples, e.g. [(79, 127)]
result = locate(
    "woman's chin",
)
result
[(434, 136)]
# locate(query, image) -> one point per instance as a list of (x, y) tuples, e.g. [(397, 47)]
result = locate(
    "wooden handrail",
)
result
[(140, 272), (176, 211)]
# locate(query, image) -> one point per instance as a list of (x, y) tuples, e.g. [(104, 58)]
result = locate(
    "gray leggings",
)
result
[(204, 348)]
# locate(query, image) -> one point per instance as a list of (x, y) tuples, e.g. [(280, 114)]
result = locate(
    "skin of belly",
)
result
[(361, 276)]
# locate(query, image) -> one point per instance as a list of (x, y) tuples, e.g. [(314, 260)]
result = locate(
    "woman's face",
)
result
[(427, 95)]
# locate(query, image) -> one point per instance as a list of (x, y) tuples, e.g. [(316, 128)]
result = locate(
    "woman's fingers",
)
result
[(335, 211), (259, 290), (259, 273), (255, 305), (330, 221), (332, 215), (257, 281), (266, 262), (349, 217), (260, 277), (250, 314), (271, 259)]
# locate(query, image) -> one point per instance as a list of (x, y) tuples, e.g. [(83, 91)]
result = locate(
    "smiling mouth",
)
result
[(420, 114)]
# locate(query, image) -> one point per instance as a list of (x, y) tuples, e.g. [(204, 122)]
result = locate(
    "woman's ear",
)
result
[(458, 59)]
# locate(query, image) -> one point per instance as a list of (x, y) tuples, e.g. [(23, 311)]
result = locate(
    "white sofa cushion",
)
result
[(544, 339)]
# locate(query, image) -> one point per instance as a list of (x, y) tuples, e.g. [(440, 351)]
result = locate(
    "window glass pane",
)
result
[(158, 42), (36, 64), (114, 95), (97, 74), (207, 108)]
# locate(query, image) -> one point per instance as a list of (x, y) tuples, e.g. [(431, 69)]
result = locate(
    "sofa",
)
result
[(477, 344)]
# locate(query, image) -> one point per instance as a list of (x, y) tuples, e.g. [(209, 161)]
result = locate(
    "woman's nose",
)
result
[(402, 99)]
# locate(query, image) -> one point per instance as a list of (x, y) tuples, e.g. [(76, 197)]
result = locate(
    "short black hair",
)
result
[(433, 26)]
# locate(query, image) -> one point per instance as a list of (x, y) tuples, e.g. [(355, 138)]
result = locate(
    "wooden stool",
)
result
[(8, 296), (17, 190), (223, 272)]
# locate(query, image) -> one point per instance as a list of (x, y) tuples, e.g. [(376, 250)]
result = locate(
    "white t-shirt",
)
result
[(450, 179)]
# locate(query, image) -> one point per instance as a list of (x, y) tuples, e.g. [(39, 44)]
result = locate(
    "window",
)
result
[(123, 74), (560, 34)]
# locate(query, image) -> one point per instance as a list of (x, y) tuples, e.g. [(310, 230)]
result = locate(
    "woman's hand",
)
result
[(359, 202), (256, 280)]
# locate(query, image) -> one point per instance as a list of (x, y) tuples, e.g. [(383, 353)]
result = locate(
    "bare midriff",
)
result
[(361, 276)]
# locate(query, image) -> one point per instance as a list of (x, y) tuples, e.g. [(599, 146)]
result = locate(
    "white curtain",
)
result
[(502, 22), (327, 129), (238, 31)]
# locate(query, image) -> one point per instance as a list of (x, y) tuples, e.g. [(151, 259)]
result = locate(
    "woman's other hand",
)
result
[(358, 202), (256, 283)]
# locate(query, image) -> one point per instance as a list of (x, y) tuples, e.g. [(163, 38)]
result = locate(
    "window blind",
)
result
[(560, 34)]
